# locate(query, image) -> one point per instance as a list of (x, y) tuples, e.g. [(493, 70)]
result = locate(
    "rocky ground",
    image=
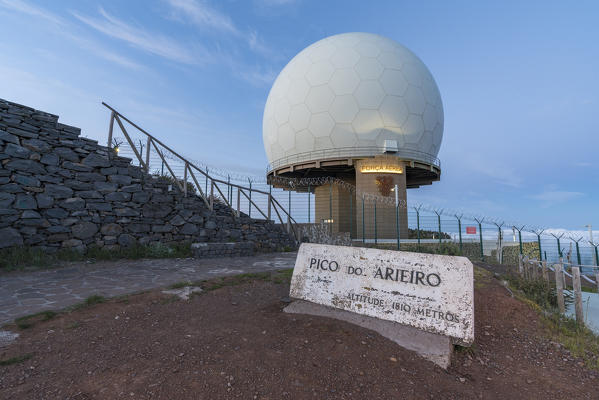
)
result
[(234, 341)]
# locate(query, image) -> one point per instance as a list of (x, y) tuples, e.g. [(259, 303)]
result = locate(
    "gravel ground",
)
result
[(235, 342)]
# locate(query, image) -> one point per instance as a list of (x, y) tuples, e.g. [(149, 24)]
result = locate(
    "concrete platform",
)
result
[(433, 347)]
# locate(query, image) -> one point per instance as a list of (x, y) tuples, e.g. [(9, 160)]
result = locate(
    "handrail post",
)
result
[(250, 200), (269, 205), (185, 179), (238, 203), (577, 295), (559, 285), (211, 195), (545, 272), (110, 127), (148, 154)]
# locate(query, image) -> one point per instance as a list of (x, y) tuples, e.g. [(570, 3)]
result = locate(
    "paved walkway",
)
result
[(24, 293)]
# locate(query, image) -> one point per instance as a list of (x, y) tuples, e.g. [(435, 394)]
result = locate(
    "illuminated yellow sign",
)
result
[(382, 169)]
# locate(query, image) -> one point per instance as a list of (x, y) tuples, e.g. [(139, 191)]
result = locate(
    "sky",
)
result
[(518, 80)]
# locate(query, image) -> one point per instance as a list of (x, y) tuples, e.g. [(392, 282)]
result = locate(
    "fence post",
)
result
[(397, 225), (520, 268), (545, 272), (418, 225), (539, 242), (110, 128), (578, 251), (480, 235), (559, 247), (363, 222), (309, 196), (331, 205), (460, 231), (577, 294), (375, 231), (351, 215), (439, 224), (520, 240), (559, 285), (289, 213)]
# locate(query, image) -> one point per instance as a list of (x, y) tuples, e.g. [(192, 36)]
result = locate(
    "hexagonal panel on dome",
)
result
[(344, 81), (321, 124), (319, 98), (391, 60), (367, 48), (367, 124), (393, 82), (345, 57), (304, 141), (299, 117), (413, 129), (281, 111), (353, 89), (286, 137), (320, 73), (369, 68), (344, 108), (415, 100), (369, 94), (343, 135), (394, 111), (297, 91)]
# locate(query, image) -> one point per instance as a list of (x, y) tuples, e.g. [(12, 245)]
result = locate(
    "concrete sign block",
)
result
[(433, 293)]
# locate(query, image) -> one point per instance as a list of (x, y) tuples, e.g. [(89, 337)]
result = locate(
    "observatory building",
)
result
[(361, 108)]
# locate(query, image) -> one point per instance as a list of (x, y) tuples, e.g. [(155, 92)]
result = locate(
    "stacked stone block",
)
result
[(60, 190)]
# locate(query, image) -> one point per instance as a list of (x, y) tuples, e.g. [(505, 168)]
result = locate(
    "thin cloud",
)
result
[(552, 197), (137, 37), (86, 44), (25, 8), (202, 15)]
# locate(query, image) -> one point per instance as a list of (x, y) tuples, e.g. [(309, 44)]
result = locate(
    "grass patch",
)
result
[(15, 360), (181, 285), (468, 350), (88, 302), (542, 297), (577, 338), (283, 276), (29, 320), (482, 277), (16, 258)]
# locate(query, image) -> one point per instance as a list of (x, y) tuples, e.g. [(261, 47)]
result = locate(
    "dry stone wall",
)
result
[(60, 190)]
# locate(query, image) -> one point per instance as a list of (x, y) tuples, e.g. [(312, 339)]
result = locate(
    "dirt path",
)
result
[(235, 342), (23, 293)]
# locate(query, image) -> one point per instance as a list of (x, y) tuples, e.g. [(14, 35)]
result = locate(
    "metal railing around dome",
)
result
[(212, 186), (349, 152)]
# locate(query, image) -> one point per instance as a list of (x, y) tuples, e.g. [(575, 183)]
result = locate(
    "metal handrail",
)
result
[(189, 167), (408, 154)]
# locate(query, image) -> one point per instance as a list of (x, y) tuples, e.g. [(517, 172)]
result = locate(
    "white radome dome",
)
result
[(353, 90)]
